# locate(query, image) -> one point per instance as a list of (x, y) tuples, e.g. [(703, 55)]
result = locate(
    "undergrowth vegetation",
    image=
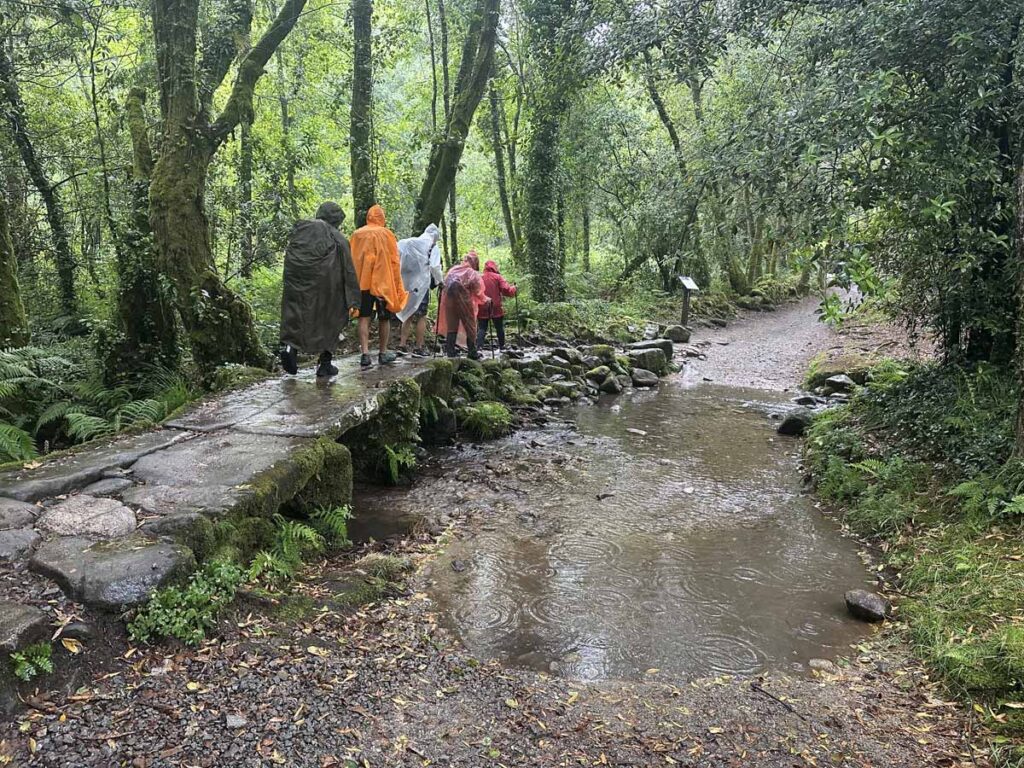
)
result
[(190, 612), (922, 461)]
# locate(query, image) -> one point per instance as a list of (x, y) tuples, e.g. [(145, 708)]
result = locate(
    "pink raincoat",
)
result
[(463, 294)]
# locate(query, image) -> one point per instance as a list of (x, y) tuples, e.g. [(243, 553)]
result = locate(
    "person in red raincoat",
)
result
[(461, 297), (495, 286)]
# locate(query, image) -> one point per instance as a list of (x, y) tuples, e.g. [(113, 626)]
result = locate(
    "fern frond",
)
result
[(140, 413), (84, 426), (332, 522), (16, 444)]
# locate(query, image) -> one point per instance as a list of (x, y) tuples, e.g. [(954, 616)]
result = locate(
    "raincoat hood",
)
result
[(375, 216), (473, 260), (491, 266), (332, 213), (421, 264)]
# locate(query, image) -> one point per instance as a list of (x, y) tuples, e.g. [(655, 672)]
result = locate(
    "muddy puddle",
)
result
[(662, 534)]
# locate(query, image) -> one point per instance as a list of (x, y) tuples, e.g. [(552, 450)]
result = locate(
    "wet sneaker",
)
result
[(420, 352), (474, 355), (365, 362), (325, 370), (402, 351), (386, 358), (290, 359)]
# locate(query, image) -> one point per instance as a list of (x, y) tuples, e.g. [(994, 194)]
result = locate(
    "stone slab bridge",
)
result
[(111, 521)]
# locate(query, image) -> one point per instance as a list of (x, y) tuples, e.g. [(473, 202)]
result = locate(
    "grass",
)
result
[(921, 462)]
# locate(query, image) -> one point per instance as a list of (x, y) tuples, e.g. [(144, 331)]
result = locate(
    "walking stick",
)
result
[(490, 337)]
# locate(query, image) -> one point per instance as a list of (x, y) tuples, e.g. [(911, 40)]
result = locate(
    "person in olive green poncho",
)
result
[(320, 287)]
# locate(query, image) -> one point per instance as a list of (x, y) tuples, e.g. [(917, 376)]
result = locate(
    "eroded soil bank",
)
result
[(394, 685)]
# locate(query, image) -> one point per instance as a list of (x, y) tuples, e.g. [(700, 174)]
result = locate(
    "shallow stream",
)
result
[(664, 534)]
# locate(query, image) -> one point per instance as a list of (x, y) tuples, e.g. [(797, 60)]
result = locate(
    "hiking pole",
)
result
[(490, 337)]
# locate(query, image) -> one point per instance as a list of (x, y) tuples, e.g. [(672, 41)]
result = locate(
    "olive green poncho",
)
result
[(320, 283)]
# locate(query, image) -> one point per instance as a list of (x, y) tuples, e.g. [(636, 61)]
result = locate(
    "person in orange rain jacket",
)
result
[(379, 270), (495, 286), (462, 295)]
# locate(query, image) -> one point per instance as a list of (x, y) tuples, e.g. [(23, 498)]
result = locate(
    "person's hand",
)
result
[(353, 313)]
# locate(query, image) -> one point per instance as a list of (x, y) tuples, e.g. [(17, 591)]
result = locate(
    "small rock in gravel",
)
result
[(809, 400), (458, 565), (78, 630), (644, 378), (235, 721), (867, 606), (822, 665)]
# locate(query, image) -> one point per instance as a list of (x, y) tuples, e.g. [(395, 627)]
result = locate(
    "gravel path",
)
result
[(386, 686)]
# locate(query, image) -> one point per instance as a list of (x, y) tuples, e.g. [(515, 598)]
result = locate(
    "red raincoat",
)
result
[(463, 294), (495, 286)]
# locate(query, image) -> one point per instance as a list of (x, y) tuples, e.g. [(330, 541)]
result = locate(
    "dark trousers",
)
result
[(499, 328)]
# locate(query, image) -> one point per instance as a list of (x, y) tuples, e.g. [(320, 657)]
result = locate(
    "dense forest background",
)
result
[(155, 154)]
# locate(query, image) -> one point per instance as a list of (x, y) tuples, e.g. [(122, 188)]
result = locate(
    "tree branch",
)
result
[(227, 37), (239, 104)]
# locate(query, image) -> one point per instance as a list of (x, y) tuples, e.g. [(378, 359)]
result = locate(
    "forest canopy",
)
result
[(155, 155)]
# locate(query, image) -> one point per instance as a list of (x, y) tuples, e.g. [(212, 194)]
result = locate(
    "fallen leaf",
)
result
[(72, 645)]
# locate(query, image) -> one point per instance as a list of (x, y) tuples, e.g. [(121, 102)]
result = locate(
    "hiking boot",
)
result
[(290, 359), (474, 355), (402, 350), (365, 362), (324, 368), (386, 358), (420, 352)]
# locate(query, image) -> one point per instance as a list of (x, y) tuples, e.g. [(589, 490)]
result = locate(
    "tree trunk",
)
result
[(13, 322), (55, 217), (246, 252), (541, 192), (219, 323), (363, 194), (446, 152), (586, 236), (284, 98), (145, 310), (499, 168), (1019, 247), (560, 224)]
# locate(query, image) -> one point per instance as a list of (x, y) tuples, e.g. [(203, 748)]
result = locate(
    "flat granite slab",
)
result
[(208, 474), (303, 406), (81, 466)]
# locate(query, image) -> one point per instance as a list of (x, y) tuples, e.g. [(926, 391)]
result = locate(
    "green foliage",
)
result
[(188, 613), (485, 420), (293, 542), (32, 661), (921, 458), (382, 447), (332, 524)]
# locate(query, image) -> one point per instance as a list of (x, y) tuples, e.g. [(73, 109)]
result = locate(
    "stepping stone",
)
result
[(796, 422), (80, 467), (85, 515), (653, 359), (108, 486), (17, 542), (679, 334), (21, 625), (16, 514), (665, 345), (113, 575), (867, 606), (644, 378)]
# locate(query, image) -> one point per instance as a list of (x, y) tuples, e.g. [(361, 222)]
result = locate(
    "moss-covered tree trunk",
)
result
[(361, 153), (14, 109), (1019, 324), (470, 84), (147, 326), (541, 196), (586, 235), (219, 323), (13, 322), (499, 168)]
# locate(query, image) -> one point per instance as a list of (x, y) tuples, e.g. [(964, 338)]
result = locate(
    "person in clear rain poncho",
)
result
[(421, 271), (462, 296), (320, 287)]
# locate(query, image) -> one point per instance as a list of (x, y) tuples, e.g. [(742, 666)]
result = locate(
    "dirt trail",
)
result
[(387, 686)]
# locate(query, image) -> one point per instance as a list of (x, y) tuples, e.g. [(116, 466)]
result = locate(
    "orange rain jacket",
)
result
[(375, 257)]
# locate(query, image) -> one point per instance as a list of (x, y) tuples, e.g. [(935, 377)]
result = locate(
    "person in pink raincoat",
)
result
[(495, 287), (461, 298)]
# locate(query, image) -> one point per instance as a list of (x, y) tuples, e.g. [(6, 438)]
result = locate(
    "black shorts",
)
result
[(373, 307)]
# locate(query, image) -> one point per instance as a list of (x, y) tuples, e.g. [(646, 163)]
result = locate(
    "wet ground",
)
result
[(667, 530)]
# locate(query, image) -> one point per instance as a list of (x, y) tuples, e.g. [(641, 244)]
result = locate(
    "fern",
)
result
[(402, 458), (140, 413), (292, 543), (84, 426), (333, 524), (15, 444)]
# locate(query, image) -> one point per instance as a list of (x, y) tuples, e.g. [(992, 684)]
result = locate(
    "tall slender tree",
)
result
[(13, 322), (361, 152)]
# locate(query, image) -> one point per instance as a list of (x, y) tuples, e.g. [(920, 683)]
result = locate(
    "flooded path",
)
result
[(660, 533)]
